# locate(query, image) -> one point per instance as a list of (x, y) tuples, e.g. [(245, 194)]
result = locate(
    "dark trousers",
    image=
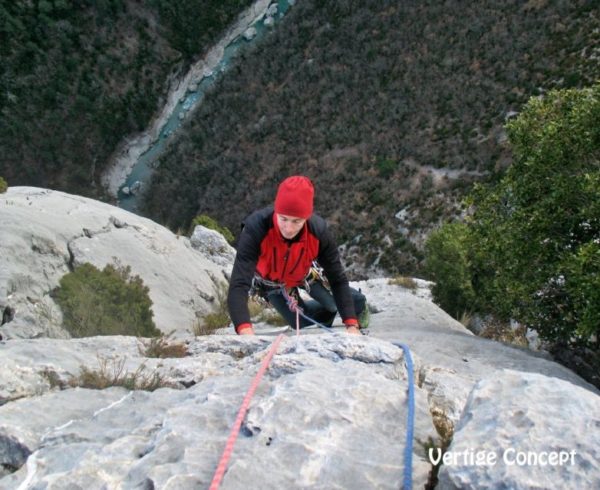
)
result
[(321, 307)]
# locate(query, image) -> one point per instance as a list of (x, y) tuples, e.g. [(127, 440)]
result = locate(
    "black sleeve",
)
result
[(329, 259), (241, 277)]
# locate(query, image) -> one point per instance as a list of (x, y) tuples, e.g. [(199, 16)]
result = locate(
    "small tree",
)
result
[(107, 302), (3, 185), (447, 263), (536, 235)]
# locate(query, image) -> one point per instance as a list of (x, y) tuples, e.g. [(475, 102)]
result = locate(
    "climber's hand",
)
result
[(246, 330)]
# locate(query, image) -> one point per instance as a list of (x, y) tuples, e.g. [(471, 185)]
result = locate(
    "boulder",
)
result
[(212, 244), (135, 187), (525, 430), (250, 33)]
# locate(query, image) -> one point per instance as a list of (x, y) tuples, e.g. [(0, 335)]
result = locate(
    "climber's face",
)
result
[(289, 226)]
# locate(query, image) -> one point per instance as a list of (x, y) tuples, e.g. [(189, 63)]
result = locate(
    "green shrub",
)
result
[(386, 167), (537, 230), (447, 265), (583, 288), (210, 223), (3, 185), (404, 281), (107, 302), (531, 249)]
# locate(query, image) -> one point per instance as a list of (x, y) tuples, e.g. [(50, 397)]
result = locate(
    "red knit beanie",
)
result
[(295, 197)]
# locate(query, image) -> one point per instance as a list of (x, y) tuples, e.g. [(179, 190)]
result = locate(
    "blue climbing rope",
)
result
[(410, 416)]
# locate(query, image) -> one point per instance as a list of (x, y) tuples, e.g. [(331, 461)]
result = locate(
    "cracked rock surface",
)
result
[(330, 412), (46, 234), (533, 431)]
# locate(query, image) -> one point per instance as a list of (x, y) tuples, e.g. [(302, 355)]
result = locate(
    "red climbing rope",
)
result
[(220, 472)]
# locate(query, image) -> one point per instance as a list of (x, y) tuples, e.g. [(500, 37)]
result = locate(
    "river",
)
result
[(137, 157)]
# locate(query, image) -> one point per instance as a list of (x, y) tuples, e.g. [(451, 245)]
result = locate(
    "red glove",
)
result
[(244, 329)]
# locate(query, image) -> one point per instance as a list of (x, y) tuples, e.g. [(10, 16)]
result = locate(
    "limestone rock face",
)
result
[(528, 431), (213, 245), (45, 234), (329, 413), (453, 359)]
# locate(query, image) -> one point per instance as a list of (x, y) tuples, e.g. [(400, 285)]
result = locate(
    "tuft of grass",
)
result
[(256, 306), (113, 373), (217, 319), (161, 348), (504, 332), (3, 185), (403, 281), (466, 318), (210, 323), (259, 312)]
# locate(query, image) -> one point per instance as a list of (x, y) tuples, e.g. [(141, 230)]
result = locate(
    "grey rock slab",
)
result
[(30, 367), (27, 423), (331, 422), (529, 431), (451, 358), (46, 233)]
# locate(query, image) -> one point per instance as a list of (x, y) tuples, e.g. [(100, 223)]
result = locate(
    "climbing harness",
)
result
[(410, 416), (316, 273), (260, 286)]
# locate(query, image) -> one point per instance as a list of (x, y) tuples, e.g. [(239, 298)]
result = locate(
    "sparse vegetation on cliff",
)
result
[(105, 302), (530, 251)]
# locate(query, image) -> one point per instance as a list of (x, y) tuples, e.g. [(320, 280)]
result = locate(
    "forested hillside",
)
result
[(393, 108), (386, 105), (77, 76)]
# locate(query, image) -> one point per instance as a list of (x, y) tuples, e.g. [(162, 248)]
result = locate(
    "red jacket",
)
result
[(263, 250), (287, 261)]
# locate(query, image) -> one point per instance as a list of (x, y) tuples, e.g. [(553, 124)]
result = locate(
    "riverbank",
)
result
[(133, 147)]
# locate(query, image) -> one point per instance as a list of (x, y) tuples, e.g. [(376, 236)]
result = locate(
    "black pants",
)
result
[(321, 307)]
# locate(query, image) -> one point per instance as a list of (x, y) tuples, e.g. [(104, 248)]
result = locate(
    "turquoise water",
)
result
[(142, 170)]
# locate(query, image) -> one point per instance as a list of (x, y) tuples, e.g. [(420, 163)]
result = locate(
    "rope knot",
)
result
[(291, 300)]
